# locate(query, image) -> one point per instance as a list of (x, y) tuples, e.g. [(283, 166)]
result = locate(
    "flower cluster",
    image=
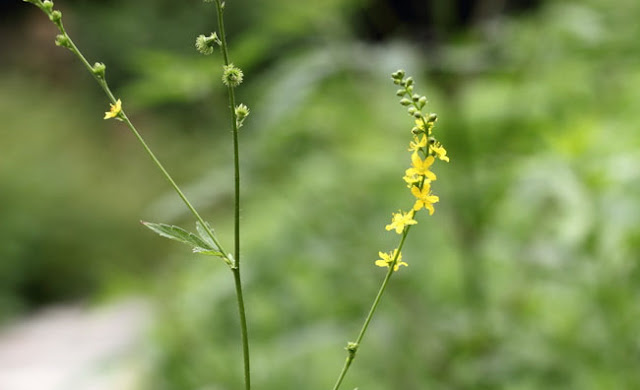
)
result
[(425, 149)]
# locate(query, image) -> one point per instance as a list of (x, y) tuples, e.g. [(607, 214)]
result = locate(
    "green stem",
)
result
[(105, 87), (236, 166), (352, 348)]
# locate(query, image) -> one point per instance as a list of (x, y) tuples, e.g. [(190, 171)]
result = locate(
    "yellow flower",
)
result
[(421, 167), (416, 144), (386, 259), (440, 151), (114, 111), (411, 180), (424, 198), (400, 220)]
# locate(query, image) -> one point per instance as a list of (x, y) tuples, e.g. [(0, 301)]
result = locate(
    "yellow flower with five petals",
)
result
[(400, 220), (424, 198), (421, 167), (386, 259)]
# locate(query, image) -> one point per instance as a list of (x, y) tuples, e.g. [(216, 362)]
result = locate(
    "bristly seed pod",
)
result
[(232, 75)]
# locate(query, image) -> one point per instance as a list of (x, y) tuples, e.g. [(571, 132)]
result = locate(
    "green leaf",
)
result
[(205, 236), (208, 252), (179, 234)]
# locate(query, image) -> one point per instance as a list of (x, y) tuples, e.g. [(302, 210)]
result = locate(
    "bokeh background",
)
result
[(525, 278)]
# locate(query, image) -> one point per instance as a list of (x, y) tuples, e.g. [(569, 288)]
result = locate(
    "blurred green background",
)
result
[(526, 277)]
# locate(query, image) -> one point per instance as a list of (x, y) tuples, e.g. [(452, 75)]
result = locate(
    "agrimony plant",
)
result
[(424, 148)]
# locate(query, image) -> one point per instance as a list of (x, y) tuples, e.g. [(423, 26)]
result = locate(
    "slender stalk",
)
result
[(236, 165), (352, 347)]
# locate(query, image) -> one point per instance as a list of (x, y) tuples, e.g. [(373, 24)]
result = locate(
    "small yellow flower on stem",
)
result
[(400, 220), (386, 259), (439, 151), (421, 167), (416, 144), (114, 111), (424, 198)]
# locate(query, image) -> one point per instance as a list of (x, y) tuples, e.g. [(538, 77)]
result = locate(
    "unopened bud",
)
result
[(48, 5), (63, 41), (55, 16), (99, 69)]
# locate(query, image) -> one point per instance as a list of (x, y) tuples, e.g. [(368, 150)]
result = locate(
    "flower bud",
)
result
[(401, 92), (415, 97), (432, 118), (412, 110), (417, 114), (63, 41), (409, 81), (405, 102), (99, 69), (55, 16), (422, 101), (231, 75), (48, 5), (398, 75)]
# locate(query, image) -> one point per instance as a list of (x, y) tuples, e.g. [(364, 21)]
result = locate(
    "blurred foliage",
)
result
[(525, 278)]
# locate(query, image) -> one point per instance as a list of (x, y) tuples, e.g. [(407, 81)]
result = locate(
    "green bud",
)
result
[(409, 89), (405, 101), (417, 131), (411, 110), (352, 346), (63, 41), (409, 81), (231, 75), (432, 141), (415, 97), (47, 5), (401, 92), (205, 44), (399, 74), (432, 118), (55, 16), (422, 101), (417, 114), (99, 69)]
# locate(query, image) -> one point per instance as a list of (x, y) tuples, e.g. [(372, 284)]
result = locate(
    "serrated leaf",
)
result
[(179, 234), (204, 235)]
